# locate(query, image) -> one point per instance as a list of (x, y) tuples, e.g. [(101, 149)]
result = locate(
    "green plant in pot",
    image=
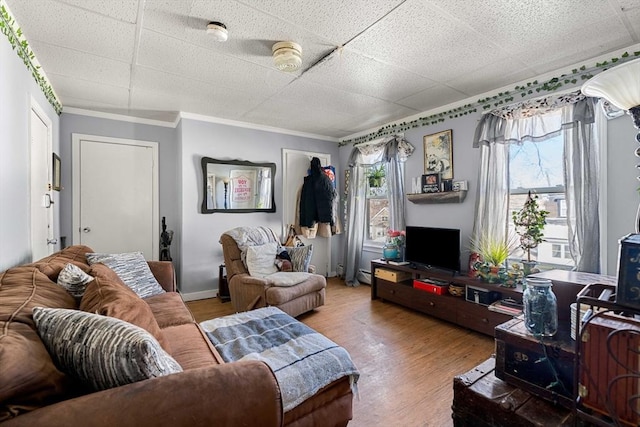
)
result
[(375, 176), (493, 252), (529, 223)]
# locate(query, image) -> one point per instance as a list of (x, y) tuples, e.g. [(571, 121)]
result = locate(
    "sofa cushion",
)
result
[(169, 309), (101, 351), (300, 257), (133, 269), (75, 254), (190, 347), (28, 377), (73, 280), (108, 296), (261, 259)]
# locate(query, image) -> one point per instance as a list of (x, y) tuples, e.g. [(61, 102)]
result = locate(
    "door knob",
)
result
[(86, 229)]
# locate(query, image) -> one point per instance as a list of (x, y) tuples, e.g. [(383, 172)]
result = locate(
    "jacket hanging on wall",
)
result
[(316, 200)]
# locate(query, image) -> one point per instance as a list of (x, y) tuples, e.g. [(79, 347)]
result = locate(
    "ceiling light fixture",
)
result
[(218, 30), (620, 86), (287, 56)]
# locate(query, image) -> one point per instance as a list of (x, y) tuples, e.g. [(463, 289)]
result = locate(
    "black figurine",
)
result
[(165, 242)]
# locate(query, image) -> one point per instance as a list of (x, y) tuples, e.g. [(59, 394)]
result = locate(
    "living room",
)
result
[(195, 249)]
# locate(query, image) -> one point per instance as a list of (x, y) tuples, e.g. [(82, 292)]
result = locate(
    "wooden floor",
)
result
[(407, 360)]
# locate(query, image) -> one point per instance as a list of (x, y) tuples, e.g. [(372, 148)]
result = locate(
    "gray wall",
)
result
[(619, 175), (17, 87), (199, 238)]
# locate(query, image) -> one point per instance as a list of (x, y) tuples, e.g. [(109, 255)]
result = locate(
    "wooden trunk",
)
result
[(480, 399), (543, 368), (609, 371)]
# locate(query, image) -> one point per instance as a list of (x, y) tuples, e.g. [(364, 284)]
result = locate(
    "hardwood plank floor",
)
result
[(407, 360)]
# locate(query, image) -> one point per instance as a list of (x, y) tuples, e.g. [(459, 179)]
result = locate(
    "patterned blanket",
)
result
[(303, 360)]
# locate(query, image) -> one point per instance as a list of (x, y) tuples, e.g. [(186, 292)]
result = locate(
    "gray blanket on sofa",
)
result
[(302, 359)]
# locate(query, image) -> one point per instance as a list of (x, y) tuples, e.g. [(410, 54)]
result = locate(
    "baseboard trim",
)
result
[(193, 296)]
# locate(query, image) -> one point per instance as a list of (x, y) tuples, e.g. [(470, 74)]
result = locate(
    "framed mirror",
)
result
[(237, 186)]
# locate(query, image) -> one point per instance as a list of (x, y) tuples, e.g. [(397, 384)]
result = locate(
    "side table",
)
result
[(223, 286)]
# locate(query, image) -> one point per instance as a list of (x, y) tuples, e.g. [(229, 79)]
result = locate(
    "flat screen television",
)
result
[(429, 247)]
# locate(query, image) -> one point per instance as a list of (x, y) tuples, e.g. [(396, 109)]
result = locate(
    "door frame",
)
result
[(46, 120), (76, 139)]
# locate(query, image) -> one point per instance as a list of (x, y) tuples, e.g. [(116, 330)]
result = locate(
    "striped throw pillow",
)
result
[(74, 280), (132, 269), (300, 257), (102, 352)]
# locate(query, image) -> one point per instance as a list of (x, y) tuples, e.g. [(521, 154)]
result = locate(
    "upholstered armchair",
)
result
[(294, 293)]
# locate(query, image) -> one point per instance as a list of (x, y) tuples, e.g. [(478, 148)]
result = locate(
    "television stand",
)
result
[(446, 307)]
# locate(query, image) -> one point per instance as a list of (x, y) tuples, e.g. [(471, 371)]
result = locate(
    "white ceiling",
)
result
[(366, 62)]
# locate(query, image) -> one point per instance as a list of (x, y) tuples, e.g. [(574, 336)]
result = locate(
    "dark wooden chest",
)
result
[(609, 372), (543, 368), (480, 399)]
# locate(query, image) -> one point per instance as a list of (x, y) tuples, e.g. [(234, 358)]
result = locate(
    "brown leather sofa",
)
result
[(249, 293), (208, 392)]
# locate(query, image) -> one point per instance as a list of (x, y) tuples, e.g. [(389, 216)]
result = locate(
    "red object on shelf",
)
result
[(430, 287)]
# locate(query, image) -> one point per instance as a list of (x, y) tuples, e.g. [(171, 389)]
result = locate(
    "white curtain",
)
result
[(535, 120), (392, 153)]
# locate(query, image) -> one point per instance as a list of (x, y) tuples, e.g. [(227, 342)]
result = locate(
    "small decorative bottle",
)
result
[(540, 307)]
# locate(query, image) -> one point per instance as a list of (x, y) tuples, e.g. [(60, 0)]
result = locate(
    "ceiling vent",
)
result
[(287, 56)]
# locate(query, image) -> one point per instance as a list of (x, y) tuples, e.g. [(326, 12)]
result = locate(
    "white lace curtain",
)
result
[(571, 114), (392, 152)]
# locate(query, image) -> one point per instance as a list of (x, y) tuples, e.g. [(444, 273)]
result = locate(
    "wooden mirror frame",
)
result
[(216, 171)]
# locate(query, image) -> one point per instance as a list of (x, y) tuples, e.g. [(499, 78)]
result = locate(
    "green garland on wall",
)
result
[(483, 104), (21, 46)]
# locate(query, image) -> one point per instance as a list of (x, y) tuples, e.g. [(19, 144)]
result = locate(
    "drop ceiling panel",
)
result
[(75, 28), (153, 87), (498, 74), (123, 10), (517, 26), (573, 47), (351, 71), (327, 98), (336, 20), (435, 45), (294, 116), (89, 91), (432, 98), (78, 65)]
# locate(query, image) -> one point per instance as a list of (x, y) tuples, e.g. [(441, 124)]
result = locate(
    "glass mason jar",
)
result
[(540, 307)]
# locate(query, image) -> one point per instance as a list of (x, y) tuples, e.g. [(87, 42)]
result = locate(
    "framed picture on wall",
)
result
[(438, 154), (56, 173)]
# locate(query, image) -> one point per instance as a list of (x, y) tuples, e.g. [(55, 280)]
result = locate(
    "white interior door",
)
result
[(296, 163), (116, 195), (42, 243)]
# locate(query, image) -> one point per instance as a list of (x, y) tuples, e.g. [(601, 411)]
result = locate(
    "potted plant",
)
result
[(529, 223), (493, 254), (376, 173)]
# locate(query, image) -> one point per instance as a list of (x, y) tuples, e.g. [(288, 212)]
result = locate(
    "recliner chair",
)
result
[(248, 292)]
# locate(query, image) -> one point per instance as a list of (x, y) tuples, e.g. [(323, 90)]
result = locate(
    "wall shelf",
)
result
[(442, 197)]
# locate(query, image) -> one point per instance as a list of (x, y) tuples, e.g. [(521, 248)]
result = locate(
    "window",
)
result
[(377, 204), (538, 167)]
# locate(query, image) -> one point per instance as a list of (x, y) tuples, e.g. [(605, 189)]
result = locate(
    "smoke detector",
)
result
[(218, 30), (287, 56)]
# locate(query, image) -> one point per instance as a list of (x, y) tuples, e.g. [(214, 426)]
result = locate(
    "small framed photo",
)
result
[(431, 183), (438, 154), (56, 174)]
